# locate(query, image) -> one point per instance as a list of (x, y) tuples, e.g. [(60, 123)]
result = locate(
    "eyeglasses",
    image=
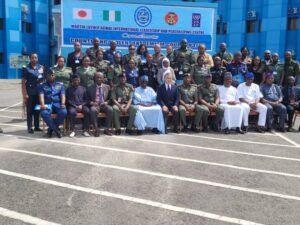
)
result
[(132, 49)]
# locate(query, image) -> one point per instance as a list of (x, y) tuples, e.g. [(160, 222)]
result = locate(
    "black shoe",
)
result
[(239, 130), (184, 129), (128, 131), (38, 129), (155, 131), (30, 131), (281, 130), (259, 129), (49, 133), (58, 133), (176, 130), (205, 129), (227, 131), (245, 129), (195, 129), (118, 132), (269, 130), (108, 132), (139, 132)]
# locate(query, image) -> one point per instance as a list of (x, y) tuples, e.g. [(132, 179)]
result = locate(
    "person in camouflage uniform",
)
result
[(86, 72), (92, 51), (100, 64), (63, 73), (188, 53), (180, 67), (114, 70)]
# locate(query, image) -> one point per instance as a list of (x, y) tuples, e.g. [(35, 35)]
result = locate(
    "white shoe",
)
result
[(73, 134), (86, 134)]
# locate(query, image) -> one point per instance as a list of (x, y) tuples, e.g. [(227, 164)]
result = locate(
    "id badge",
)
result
[(76, 61), (180, 72)]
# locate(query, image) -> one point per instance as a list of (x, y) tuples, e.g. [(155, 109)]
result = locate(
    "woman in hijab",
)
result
[(165, 66)]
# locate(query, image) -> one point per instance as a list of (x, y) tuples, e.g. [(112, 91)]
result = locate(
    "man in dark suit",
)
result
[(98, 100), (167, 98), (291, 100)]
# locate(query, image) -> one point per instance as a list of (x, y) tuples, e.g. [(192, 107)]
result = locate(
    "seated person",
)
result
[(149, 113), (77, 103), (52, 100)]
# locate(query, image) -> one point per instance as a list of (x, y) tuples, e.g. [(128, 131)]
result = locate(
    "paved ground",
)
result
[(210, 179)]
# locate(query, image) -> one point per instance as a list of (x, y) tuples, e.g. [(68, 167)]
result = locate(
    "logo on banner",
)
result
[(171, 18), (196, 20), (143, 16), (112, 15), (82, 14)]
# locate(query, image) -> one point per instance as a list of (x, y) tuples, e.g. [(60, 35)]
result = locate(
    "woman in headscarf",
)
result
[(165, 66)]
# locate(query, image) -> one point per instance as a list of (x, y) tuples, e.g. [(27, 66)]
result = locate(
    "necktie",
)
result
[(169, 89), (101, 100), (292, 95)]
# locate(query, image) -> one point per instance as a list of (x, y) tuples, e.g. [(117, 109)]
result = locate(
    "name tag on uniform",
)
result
[(76, 61), (41, 70), (180, 72)]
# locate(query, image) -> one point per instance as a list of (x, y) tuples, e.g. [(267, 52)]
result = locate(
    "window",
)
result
[(23, 24), (1, 23), (28, 28), (292, 23), (259, 26), (250, 26), (224, 28), (218, 31), (57, 2), (1, 58)]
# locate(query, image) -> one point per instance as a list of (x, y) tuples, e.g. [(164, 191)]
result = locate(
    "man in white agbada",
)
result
[(149, 114), (233, 111), (249, 95)]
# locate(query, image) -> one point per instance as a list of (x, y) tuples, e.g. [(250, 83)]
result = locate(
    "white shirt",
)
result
[(228, 94), (249, 93), (168, 86)]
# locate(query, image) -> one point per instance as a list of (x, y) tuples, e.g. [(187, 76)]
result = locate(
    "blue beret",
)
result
[(249, 75)]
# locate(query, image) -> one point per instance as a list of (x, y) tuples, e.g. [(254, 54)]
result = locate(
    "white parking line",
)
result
[(155, 204), (19, 103), (163, 175), (23, 217), (288, 140), (10, 117)]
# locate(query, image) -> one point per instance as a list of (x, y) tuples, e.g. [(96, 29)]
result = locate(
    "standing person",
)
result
[(209, 100), (100, 64), (122, 96), (238, 69), (170, 54), (149, 114), (149, 69), (226, 57), (75, 58), (188, 98), (131, 55), (202, 52), (167, 98), (276, 68), (250, 96), (86, 72), (290, 68), (199, 70), (180, 67), (188, 53), (272, 99), (258, 70), (77, 103), (52, 100), (245, 56), (157, 56), (63, 73), (98, 100), (233, 111), (110, 53), (115, 70), (32, 75), (291, 100), (142, 52), (267, 58), (217, 71), (165, 67), (132, 73), (91, 52)]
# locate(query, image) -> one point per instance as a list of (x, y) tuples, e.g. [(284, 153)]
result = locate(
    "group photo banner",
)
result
[(128, 23)]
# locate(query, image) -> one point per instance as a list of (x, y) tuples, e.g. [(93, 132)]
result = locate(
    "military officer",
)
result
[(209, 100), (226, 57), (75, 58), (199, 70), (149, 69), (100, 64), (131, 55), (32, 75), (170, 54), (53, 100), (217, 71), (109, 53), (122, 99), (180, 67), (86, 72), (157, 56), (276, 68), (114, 70), (238, 69), (188, 99), (63, 73), (290, 68), (188, 53), (91, 52)]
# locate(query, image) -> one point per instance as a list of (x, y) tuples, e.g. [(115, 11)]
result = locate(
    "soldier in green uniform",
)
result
[(122, 99), (209, 100), (180, 67), (188, 98), (100, 64), (92, 51), (131, 55), (290, 68), (226, 57), (63, 73), (170, 54), (157, 56), (276, 68), (86, 72), (114, 70), (188, 53), (199, 70)]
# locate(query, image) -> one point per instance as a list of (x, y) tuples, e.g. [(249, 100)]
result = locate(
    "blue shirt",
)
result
[(132, 77), (52, 93), (33, 77), (271, 92)]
